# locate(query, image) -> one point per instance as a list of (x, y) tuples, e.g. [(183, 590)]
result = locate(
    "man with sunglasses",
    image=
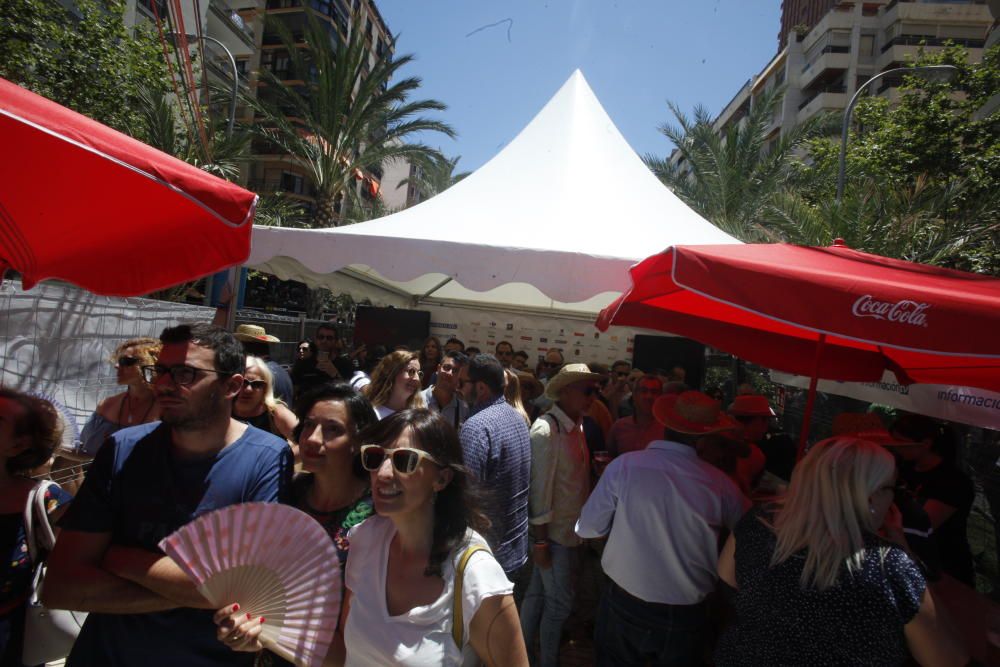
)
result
[(560, 483), (321, 369), (147, 482), (497, 452)]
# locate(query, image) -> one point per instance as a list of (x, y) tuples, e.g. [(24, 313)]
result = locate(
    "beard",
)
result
[(197, 416)]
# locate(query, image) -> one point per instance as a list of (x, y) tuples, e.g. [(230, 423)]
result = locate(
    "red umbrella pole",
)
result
[(811, 400)]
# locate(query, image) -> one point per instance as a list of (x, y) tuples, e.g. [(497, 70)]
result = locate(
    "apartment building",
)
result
[(821, 67), (227, 27), (271, 171)]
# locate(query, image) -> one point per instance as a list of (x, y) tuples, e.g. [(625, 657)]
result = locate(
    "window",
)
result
[(293, 183)]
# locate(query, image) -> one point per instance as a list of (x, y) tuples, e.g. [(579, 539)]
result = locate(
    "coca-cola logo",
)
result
[(904, 311)]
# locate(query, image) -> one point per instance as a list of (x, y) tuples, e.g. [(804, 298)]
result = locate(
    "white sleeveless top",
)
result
[(421, 636)]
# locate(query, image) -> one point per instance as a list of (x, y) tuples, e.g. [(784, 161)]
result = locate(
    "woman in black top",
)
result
[(928, 469), (815, 582)]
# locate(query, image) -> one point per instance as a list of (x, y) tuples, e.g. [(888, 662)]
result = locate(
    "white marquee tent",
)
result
[(550, 225)]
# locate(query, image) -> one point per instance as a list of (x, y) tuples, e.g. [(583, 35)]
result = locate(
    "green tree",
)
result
[(734, 179), (88, 60), (220, 154), (343, 114), (923, 173)]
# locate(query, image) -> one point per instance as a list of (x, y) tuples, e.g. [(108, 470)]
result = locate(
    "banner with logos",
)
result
[(580, 340), (965, 405)]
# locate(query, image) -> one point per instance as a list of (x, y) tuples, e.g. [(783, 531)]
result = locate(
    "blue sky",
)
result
[(636, 55)]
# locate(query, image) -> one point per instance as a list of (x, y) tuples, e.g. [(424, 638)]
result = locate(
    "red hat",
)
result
[(692, 412)]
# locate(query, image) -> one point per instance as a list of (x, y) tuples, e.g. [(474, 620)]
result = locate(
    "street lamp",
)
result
[(925, 71), (236, 78)]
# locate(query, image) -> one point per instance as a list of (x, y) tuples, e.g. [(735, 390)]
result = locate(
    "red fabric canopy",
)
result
[(86, 204), (769, 304)]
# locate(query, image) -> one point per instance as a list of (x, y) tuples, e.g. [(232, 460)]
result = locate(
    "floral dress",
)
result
[(16, 573), (338, 522)]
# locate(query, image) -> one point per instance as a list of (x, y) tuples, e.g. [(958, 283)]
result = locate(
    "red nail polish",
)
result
[(236, 608), (248, 616), (261, 619)]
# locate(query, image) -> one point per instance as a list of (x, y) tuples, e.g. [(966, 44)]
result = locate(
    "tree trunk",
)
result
[(326, 214)]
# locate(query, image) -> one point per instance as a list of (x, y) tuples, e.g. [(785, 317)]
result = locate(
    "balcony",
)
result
[(233, 22), (822, 101), (836, 58)]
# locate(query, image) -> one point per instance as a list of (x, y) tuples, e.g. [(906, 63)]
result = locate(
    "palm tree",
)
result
[(220, 153), (437, 179), (734, 176), (343, 116)]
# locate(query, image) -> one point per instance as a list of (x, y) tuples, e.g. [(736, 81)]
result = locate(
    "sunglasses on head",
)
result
[(254, 384), (128, 361), (404, 459)]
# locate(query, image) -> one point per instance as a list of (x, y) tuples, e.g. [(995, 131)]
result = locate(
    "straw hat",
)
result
[(751, 405), (693, 413), (252, 333), (864, 426), (569, 374)]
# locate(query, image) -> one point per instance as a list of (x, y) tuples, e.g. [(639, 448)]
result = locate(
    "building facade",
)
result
[(823, 67), (272, 171)]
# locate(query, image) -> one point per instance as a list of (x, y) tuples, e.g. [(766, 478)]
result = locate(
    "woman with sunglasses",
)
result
[(136, 405), (257, 406), (400, 600), (395, 384)]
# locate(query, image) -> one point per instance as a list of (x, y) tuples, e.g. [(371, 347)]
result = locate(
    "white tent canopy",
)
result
[(551, 224)]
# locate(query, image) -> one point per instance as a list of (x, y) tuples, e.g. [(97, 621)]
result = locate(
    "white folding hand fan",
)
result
[(276, 562)]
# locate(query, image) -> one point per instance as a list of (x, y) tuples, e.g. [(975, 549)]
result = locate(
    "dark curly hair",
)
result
[(457, 506), (38, 420)]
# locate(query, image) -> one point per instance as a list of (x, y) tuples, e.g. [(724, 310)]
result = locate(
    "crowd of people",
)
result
[(463, 489)]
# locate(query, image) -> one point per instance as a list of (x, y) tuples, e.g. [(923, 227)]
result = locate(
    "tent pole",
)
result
[(418, 299), (811, 400)]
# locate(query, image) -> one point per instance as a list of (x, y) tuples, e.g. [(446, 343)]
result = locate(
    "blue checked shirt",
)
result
[(497, 451)]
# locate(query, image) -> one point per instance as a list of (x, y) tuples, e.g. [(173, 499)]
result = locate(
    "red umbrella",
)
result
[(831, 313), (86, 204)]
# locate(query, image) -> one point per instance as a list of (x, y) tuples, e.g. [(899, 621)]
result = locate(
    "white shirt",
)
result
[(664, 508), (421, 636), (383, 411), (560, 475)]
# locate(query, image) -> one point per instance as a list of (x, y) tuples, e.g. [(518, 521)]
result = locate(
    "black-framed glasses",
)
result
[(413, 372), (256, 385), (621, 374), (404, 459), (180, 374), (325, 337), (128, 361)]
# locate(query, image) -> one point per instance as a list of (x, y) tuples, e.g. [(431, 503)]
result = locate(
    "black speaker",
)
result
[(391, 327), (653, 353)]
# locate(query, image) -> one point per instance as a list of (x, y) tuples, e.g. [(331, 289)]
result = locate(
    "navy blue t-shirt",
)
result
[(138, 492)]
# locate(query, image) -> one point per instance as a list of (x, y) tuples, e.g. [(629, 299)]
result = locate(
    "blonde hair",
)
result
[(512, 393), (259, 365), (826, 510), (384, 377), (146, 349)]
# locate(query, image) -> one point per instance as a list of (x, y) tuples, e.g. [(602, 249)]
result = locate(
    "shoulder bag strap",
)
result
[(457, 628), (37, 531)]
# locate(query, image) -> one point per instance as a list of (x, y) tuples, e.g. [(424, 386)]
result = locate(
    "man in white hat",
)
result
[(662, 509), (560, 482), (256, 341)]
